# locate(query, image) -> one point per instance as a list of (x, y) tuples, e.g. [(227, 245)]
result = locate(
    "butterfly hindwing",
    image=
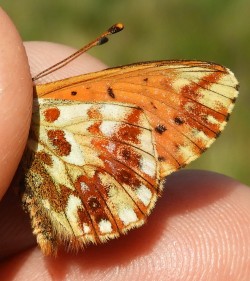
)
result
[(97, 171)]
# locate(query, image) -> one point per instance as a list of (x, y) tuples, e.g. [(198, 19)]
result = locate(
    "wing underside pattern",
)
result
[(101, 143)]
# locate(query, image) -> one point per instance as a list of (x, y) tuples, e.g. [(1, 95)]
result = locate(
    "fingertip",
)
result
[(208, 220), (16, 100)]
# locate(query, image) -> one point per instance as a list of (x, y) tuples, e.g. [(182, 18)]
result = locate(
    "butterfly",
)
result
[(101, 144)]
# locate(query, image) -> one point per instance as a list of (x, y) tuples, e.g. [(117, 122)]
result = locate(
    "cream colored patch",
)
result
[(111, 147), (143, 121), (91, 154), (148, 165), (81, 128), (230, 108), (84, 187), (144, 194), (73, 206), (212, 100), (58, 172), (177, 84), (114, 112), (117, 194), (86, 228), (186, 152), (60, 219), (201, 136), (76, 156), (72, 113), (127, 215), (192, 75), (212, 120), (229, 83), (108, 128), (227, 91), (105, 226), (222, 125), (90, 171), (146, 141), (166, 169), (119, 200), (46, 204)]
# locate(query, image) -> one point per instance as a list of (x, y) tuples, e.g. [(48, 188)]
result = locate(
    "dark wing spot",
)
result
[(202, 150), (94, 203), (126, 154), (124, 177), (161, 158), (111, 93), (160, 129), (145, 79), (178, 121), (73, 93), (153, 105), (218, 134), (177, 146), (233, 100)]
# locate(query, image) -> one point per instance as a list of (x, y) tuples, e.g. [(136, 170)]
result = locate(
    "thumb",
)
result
[(16, 100)]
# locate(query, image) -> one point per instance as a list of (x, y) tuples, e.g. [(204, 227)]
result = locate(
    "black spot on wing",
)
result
[(178, 121), (111, 92), (161, 158), (160, 129)]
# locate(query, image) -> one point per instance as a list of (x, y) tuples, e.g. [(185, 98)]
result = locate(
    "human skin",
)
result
[(199, 230)]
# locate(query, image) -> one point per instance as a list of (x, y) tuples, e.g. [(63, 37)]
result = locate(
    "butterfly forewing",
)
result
[(100, 144), (187, 103)]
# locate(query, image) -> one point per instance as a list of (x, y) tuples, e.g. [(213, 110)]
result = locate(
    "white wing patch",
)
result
[(127, 215)]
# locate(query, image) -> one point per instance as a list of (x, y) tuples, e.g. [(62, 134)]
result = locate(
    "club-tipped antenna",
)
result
[(102, 39)]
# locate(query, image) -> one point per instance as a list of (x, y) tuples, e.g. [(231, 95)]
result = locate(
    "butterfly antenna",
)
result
[(102, 39)]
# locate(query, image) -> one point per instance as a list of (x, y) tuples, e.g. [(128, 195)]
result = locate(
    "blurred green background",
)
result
[(208, 30)]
